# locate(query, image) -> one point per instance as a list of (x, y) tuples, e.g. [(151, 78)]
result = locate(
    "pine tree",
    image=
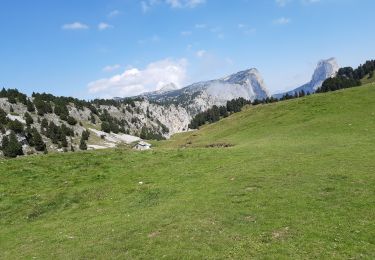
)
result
[(4, 142), (30, 106), (12, 148), (64, 142), (29, 120), (71, 120), (82, 144), (106, 127), (38, 141), (3, 117), (86, 135), (92, 119), (16, 126), (12, 100), (44, 123)]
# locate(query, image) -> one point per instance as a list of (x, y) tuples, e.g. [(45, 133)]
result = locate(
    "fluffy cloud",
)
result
[(282, 2), (135, 81), (75, 26), (114, 13), (104, 26), (110, 68), (184, 3), (282, 21), (201, 53), (146, 5)]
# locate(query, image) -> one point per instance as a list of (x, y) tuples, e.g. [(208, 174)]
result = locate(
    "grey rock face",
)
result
[(200, 96), (325, 69)]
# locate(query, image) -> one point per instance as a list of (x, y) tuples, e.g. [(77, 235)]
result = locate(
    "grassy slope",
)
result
[(298, 183), (367, 80)]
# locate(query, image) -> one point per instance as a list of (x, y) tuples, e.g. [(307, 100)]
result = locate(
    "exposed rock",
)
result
[(324, 70)]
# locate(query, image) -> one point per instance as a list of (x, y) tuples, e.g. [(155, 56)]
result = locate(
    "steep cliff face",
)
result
[(200, 96), (325, 69)]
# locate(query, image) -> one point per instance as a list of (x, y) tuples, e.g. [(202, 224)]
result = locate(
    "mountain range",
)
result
[(157, 114), (247, 84)]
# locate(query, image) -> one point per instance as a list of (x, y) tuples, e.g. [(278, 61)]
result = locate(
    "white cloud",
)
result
[(282, 21), (104, 26), (245, 29), (310, 1), (186, 33), (114, 13), (154, 39), (75, 26), (282, 3), (146, 5), (135, 81), (110, 68), (184, 3), (201, 26), (201, 53)]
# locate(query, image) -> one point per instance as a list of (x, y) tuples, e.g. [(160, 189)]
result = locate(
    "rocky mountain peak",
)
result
[(168, 87), (325, 69)]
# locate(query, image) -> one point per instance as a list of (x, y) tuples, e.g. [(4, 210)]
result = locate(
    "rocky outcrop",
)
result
[(325, 69)]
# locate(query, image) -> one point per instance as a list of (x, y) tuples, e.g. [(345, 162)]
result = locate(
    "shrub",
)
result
[(82, 144), (71, 120), (29, 120), (16, 126), (11, 147)]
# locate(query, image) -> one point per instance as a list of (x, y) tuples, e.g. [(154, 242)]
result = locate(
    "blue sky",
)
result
[(105, 48)]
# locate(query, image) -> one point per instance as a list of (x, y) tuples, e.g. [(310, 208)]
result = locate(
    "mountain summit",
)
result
[(198, 97), (325, 69)]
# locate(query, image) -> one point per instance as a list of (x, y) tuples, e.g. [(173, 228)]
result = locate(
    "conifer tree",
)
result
[(82, 144), (29, 120), (11, 147)]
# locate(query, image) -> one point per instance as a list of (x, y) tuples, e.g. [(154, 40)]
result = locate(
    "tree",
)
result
[(106, 127), (30, 106), (11, 147), (82, 144), (37, 140), (92, 119), (44, 123), (86, 135), (11, 109), (4, 142), (12, 100), (3, 117), (29, 120), (16, 126), (64, 142), (71, 120)]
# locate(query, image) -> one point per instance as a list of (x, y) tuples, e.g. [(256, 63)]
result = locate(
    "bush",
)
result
[(86, 135), (38, 141), (29, 120), (16, 126), (71, 120), (82, 144), (106, 127), (3, 117), (30, 106), (11, 147)]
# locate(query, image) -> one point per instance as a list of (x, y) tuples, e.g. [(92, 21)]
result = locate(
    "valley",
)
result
[(295, 180)]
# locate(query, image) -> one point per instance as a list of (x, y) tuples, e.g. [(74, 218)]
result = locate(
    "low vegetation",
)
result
[(295, 180)]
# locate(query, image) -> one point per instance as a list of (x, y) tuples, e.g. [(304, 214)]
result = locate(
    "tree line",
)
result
[(348, 77)]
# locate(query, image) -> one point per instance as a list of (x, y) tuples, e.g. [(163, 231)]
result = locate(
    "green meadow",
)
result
[(293, 179)]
